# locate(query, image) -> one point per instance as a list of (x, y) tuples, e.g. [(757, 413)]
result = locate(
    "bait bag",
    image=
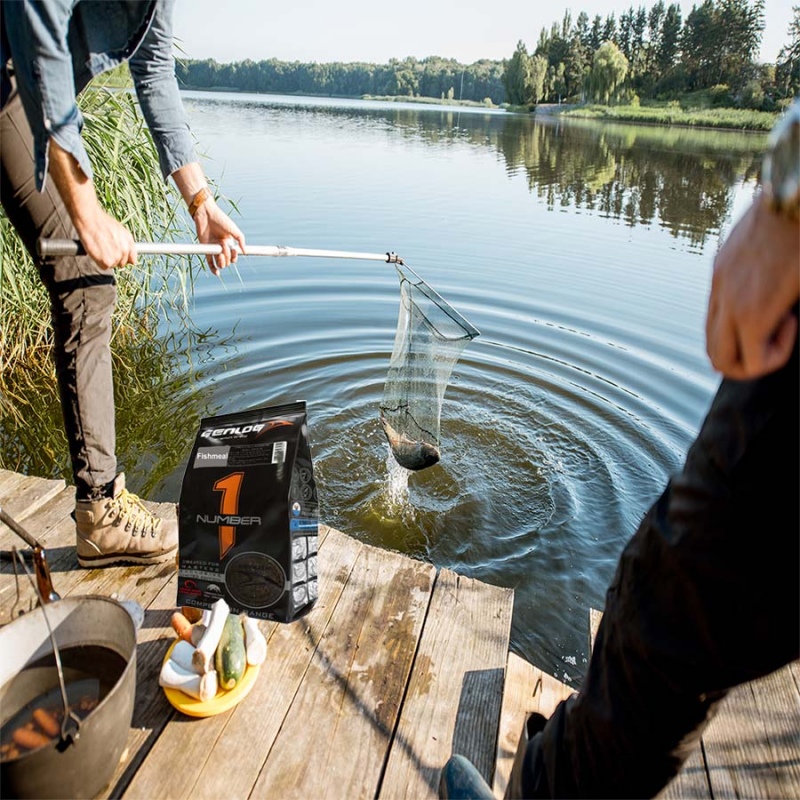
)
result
[(248, 515)]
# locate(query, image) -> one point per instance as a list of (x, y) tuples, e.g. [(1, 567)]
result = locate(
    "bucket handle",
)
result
[(68, 736)]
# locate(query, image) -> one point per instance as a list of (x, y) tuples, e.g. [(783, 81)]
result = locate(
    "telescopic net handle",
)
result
[(59, 248)]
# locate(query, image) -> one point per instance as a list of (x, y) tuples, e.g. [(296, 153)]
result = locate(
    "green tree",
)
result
[(608, 72), (535, 88), (557, 82), (624, 36), (638, 43), (582, 28), (576, 68), (610, 29), (744, 26), (655, 26), (787, 66), (666, 55), (596, 33), (517, 75), (720, 41)]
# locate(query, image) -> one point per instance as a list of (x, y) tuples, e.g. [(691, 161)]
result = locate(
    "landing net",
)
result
[(430, 337)]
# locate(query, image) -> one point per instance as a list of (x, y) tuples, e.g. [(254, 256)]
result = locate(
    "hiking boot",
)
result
[(120, 530)]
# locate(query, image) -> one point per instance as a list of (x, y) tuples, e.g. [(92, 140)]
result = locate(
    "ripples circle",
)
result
[(557, 433)]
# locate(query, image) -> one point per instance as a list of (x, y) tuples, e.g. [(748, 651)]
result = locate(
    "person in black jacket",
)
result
[(706, 594)]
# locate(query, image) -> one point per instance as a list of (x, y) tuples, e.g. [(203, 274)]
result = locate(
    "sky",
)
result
[(374, 32)]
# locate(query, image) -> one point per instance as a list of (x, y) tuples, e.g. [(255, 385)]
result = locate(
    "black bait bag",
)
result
[(248, 515), (430, 337)]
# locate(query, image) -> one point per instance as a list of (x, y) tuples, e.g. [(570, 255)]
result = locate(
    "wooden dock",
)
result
[(398, 666)]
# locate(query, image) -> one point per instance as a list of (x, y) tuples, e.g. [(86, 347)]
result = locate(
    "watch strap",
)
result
[(198, 201)]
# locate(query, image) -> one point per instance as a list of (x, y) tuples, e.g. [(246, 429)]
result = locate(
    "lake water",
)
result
[(581, 251)]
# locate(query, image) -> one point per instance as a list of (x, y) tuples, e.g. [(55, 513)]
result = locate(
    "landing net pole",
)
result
[(59, 248)]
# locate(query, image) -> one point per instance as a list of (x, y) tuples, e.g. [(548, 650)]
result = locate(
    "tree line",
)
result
[(428, 77), (656, 54), (648, 53)]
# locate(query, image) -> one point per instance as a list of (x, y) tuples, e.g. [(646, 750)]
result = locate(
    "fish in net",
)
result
[(430, 337)]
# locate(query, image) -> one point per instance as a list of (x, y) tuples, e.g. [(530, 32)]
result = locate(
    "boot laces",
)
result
[(137, 518)]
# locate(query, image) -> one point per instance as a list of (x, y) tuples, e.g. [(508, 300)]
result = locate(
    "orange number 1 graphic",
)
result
[(228, 505)]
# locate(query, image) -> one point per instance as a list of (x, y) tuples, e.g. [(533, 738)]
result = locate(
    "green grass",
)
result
[(673, 114)]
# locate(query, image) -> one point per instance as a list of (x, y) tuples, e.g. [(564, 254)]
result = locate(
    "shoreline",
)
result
[(756, 122)]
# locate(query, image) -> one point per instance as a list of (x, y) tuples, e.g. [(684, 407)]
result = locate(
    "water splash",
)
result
[(396, 493)]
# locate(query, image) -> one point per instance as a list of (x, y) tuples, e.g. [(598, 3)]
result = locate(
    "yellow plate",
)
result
[(221, 702)]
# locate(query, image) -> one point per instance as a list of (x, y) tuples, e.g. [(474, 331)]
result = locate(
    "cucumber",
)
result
[(231, 656)]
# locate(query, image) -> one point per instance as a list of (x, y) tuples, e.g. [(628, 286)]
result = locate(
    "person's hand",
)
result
[(750, 326), (107, 241), (214, 226)]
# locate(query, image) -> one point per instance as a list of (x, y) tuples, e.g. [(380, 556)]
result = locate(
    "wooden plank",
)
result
[(240, 755), (527, 690), (27, 495), (778, 699), (336, 737), (735, 739), (594, 623), (752, 744), (691, 783), (39, 523), (151, 711), (456, 688), (9, 481)]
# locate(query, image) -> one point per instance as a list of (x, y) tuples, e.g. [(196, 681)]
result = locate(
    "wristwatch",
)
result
[(781, 169)]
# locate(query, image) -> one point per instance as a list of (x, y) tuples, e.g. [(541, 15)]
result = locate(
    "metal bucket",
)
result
[(81, 765)]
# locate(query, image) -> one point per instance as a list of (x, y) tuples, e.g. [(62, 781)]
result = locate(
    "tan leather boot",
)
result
[(120, 530)]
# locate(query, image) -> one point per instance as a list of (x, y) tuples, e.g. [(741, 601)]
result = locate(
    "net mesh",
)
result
[(430, 337)]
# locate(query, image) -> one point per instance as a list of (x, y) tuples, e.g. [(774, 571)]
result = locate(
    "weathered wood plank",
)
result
[(778, 700), (456, 688), (8, 482), (595, 617), (41, 521), (527, 690), (753, 744), (24, 497), (736, 737), (336, 737), (331, 680), (235, 763), (691, 783), (151, 711)]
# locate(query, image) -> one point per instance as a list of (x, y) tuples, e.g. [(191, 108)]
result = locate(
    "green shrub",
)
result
[(753, 95), (720, 96)]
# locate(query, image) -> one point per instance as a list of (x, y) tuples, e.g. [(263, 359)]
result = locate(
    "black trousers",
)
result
[(705, 597), (82, 298)]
